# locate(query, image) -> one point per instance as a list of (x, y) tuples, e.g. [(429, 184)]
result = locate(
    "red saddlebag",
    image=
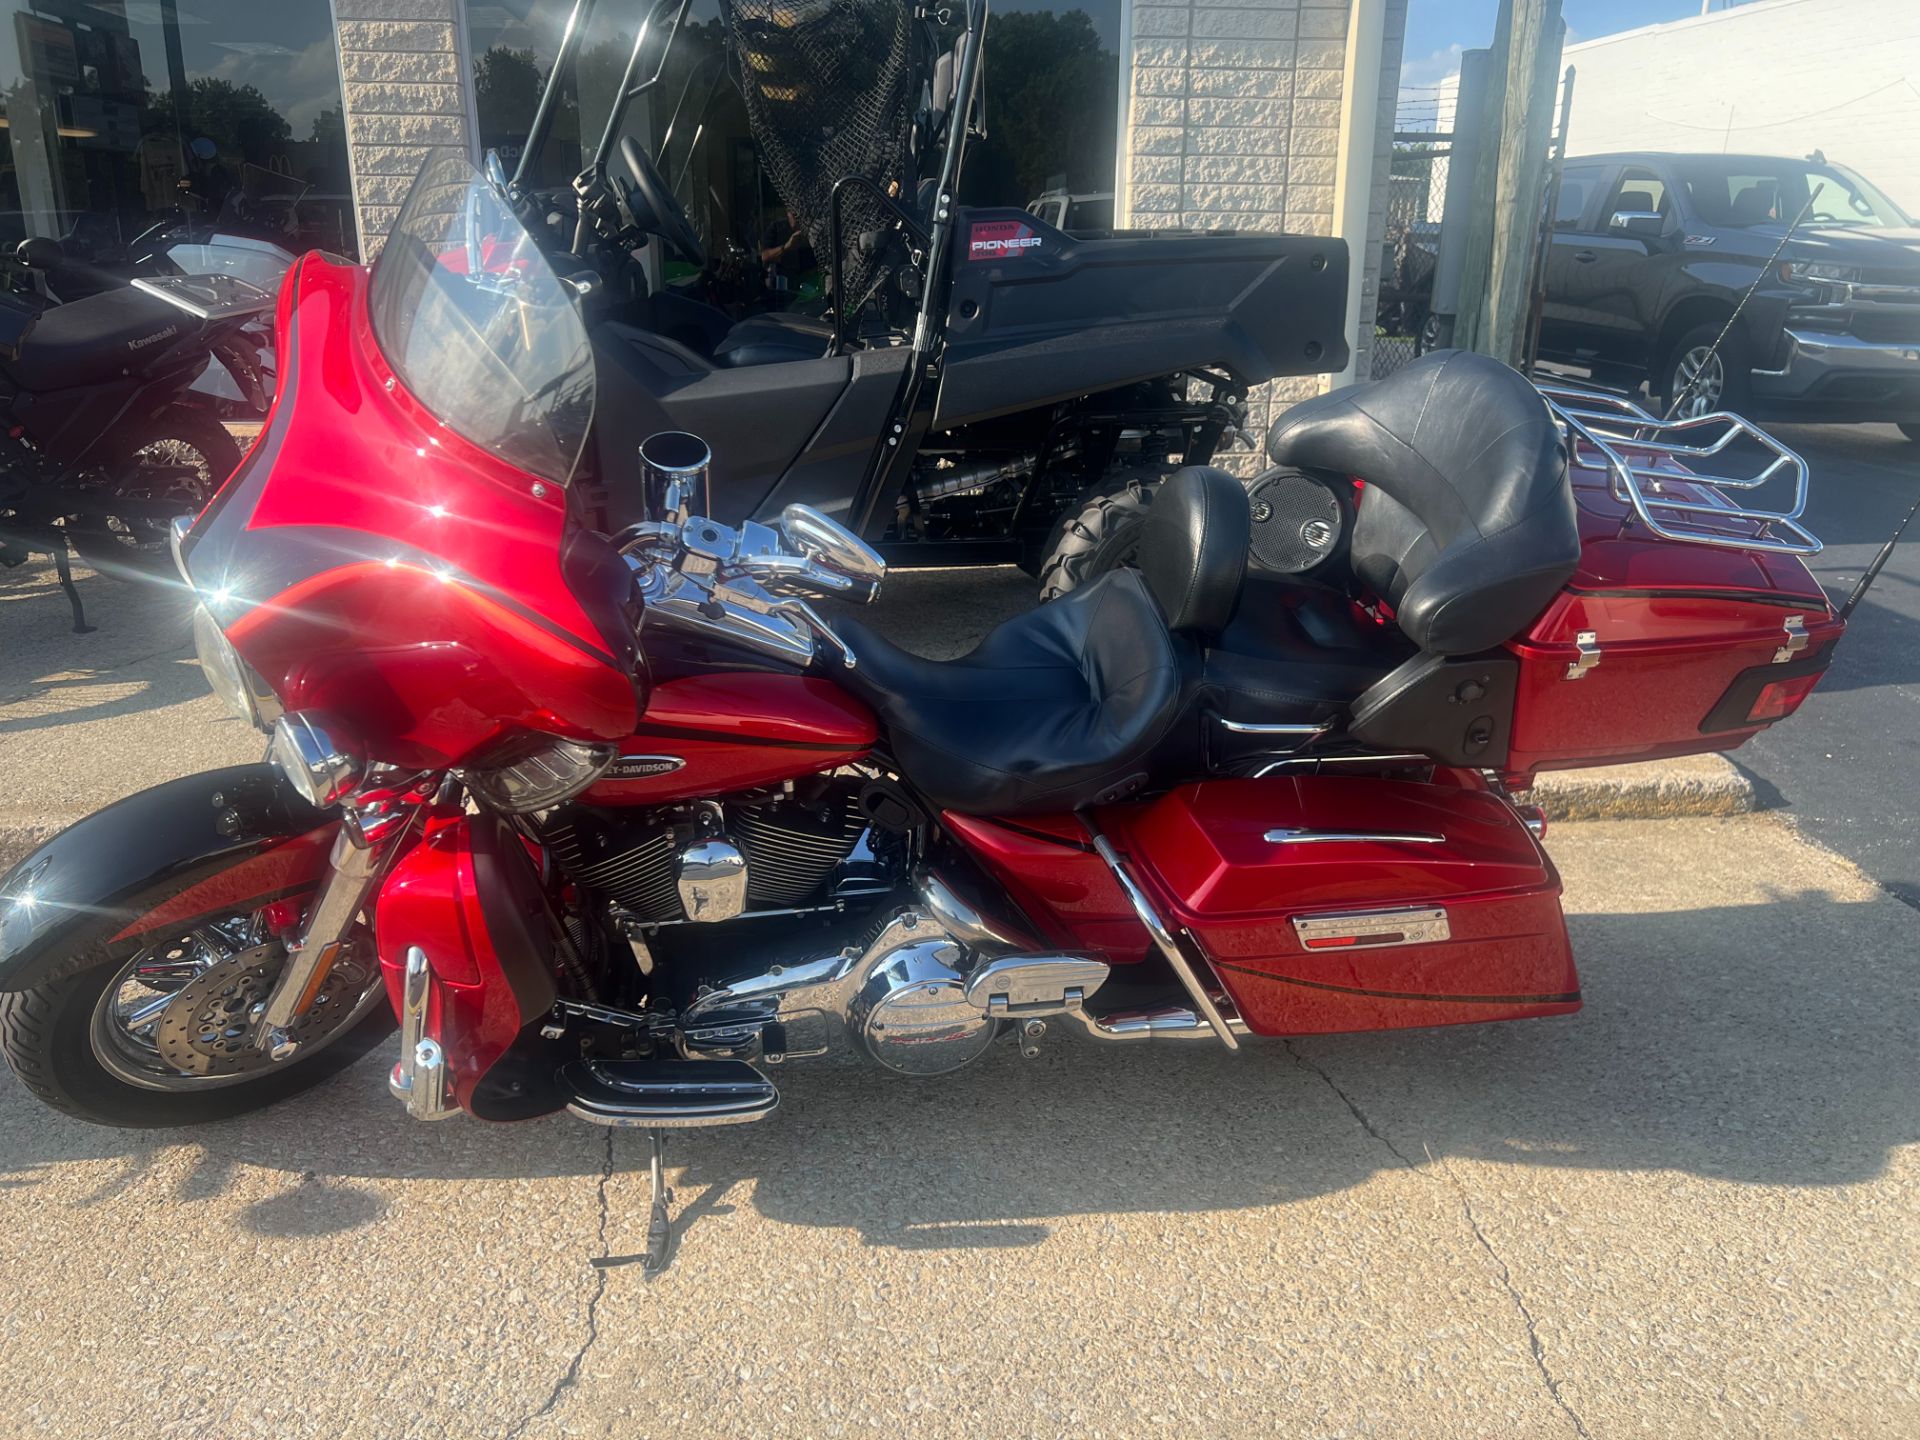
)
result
[(1312, 931)]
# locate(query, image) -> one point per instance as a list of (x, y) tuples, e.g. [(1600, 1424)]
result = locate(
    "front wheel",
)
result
[(179, 458), (159, 1030)]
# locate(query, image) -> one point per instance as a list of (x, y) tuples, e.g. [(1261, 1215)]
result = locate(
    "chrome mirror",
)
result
[(830, 543)]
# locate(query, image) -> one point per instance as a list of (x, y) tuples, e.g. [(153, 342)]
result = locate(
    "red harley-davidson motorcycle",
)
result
[(617, 823)]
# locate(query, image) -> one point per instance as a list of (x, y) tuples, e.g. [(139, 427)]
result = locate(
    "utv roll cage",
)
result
[(930, 243)]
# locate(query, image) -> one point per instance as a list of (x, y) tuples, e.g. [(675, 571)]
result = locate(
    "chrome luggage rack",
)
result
[(1675, 473)]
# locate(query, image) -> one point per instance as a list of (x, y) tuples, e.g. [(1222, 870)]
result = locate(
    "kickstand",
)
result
[(65, 572), (659, 1225)]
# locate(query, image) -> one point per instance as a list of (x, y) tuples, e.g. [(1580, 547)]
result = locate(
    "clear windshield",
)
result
[(479, 328)]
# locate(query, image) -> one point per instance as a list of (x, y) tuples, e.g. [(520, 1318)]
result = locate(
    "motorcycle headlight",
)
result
[(558, 771), (226, 672), (316, 758)]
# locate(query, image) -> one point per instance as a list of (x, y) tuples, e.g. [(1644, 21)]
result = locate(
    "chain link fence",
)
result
[(1416, 202)]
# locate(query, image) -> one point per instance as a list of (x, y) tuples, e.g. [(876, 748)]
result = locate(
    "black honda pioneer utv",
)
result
[(977, 373)]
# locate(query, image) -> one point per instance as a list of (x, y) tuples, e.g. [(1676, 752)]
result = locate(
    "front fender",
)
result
[(175, 847)]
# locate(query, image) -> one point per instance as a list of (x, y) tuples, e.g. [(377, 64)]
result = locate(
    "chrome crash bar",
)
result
[(1646, 456)]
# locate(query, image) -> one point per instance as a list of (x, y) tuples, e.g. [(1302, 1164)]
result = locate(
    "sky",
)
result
[(1438, 30)]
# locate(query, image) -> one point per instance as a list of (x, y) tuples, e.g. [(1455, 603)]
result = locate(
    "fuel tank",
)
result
[(712, 734)]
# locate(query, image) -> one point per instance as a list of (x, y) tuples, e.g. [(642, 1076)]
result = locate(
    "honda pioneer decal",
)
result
[(999, 240)]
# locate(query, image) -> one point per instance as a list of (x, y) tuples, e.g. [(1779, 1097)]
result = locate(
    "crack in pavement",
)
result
[(1473, 1224), (571, 1376)]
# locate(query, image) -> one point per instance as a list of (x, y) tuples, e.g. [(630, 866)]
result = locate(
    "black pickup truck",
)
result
[(1652, 252)]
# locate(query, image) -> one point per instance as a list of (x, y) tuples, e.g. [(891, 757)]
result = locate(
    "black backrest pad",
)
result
[(1193, 548), (1466, 524)]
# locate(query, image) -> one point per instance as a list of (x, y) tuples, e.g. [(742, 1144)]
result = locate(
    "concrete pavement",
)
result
[(1691, 1210)]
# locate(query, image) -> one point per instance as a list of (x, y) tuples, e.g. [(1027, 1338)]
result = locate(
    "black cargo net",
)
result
[(829, 90)]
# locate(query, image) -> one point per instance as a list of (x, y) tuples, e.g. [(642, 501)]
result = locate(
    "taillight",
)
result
[(1781, 698), (1767, 693)]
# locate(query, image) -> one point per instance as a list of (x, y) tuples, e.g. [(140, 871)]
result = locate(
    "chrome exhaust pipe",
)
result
[(1169, 1022)]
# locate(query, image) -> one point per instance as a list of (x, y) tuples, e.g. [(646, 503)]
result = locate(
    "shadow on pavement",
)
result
[(1752, 1044), (138, 658)]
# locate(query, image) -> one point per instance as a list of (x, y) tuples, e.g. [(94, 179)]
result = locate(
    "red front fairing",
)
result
[(373, 565)]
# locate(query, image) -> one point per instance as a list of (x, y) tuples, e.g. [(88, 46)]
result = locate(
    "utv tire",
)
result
[(190, 455), (51, 1036), (1725, 386), (1102, 533)]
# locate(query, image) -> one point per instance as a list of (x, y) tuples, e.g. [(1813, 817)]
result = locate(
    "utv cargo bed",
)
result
[(1038, 315)]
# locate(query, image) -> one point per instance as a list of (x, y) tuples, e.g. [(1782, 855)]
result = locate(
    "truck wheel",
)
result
[(1099, 534), (1712, 380)]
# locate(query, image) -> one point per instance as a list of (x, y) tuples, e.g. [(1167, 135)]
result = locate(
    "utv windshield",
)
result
[(477, 325)]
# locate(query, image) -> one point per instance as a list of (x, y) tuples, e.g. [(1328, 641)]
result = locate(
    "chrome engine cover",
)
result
[(926, 995), (912, 1014)]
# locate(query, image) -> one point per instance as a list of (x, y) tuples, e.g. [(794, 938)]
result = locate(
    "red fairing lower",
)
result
[(431, 900)]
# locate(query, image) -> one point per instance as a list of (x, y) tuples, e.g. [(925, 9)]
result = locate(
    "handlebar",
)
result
[(752, 584)]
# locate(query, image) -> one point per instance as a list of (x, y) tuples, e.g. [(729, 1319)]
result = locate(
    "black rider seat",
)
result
[(89, 340), (1296, 654), (772, 338), (1065, 705)]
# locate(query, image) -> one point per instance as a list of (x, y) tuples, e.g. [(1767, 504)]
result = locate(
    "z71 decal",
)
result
[(999, 240)]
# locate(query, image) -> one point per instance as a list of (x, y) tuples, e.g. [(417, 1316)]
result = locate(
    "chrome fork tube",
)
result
[(362, 851), (1163, 938)]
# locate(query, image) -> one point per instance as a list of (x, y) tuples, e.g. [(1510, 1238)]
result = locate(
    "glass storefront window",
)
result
[(121, 115), (1051, 74)]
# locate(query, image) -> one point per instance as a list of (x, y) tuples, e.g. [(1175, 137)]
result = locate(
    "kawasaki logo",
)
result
[(155, 338)]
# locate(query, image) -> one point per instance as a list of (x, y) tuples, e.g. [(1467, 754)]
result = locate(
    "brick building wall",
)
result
[(1234, 119), (407, 88)]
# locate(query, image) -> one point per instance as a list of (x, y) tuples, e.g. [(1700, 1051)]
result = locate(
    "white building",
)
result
[(1772, 77)]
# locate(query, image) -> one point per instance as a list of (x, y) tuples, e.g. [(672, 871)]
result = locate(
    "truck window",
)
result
[(1577, 184), (1741, 192), (1641, 190)]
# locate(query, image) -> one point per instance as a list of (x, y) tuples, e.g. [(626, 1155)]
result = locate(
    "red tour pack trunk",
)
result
[(1660, 647)]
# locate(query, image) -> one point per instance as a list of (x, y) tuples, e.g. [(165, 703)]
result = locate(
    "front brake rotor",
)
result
[(210, 1028)]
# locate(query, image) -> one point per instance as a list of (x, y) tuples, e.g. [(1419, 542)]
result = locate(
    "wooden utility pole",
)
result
[(1533, 72), (1509, 181), (1470, 323)]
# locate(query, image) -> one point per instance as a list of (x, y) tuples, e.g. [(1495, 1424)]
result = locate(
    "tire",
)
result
[(189, 456), (1727, 384), (1100, 534), (1912, 432), (52, 1038)]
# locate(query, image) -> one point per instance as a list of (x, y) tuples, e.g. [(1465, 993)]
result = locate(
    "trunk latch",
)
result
[(1796, 628), (1588, 644)]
